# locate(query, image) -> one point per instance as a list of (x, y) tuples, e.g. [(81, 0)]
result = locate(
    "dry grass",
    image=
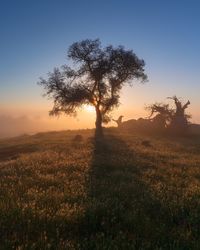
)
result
[(118, 193)]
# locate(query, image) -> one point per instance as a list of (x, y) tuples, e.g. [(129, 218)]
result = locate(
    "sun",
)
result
[(89, 108)]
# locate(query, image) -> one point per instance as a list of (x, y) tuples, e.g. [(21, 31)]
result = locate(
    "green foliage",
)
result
[(114, 193)]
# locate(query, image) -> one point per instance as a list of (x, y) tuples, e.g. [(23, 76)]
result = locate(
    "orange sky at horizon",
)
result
[(29, 118), (31, 115)]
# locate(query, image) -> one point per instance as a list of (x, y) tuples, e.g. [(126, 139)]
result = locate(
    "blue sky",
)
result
[(35, 36)]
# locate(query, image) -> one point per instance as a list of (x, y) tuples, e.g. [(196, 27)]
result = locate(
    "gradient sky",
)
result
[(35, 36)]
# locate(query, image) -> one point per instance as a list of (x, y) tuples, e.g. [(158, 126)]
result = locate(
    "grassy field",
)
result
[(127, 191)]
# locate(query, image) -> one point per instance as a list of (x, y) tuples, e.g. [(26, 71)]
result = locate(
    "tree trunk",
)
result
[(98, 123)]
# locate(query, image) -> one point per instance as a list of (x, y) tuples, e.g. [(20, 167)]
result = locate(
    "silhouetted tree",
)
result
[(173, 118), (180, 119), (96, 80), (119, 120), (163, 114)]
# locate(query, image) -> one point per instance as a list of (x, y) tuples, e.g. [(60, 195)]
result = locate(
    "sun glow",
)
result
[(89, 108)]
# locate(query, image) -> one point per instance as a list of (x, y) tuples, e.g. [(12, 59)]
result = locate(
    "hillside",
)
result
[(195, 129), (128, 191)]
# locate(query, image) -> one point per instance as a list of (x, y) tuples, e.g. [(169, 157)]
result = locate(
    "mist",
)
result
[(11, 125)]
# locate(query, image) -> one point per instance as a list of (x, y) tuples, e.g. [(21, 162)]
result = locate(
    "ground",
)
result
[(126, 191)]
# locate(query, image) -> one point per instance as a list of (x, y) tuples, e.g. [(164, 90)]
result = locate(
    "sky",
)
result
[(35, 36)]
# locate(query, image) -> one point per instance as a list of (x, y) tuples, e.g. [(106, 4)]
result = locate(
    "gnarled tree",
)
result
[(119, 120), (180, 119), (99, 75), (162, 116)]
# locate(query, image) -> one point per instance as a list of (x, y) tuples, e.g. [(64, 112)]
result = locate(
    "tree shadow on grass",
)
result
[(122, 212)]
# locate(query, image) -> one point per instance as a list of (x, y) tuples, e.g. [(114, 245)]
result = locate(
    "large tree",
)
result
[(96, 79)]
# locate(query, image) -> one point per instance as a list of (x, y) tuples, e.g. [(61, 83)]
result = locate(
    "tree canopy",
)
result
[(98, 75)]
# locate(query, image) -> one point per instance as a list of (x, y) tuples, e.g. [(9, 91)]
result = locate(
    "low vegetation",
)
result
[(125, 191)]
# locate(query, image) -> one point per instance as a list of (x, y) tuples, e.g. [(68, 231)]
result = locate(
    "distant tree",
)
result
[(180, 119), (163, 116), (119, 120), (97, 78), (160, 114)]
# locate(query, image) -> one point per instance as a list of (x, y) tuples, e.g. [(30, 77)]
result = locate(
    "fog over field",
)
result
[(13, 126), (26, 124), (19, 122)]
